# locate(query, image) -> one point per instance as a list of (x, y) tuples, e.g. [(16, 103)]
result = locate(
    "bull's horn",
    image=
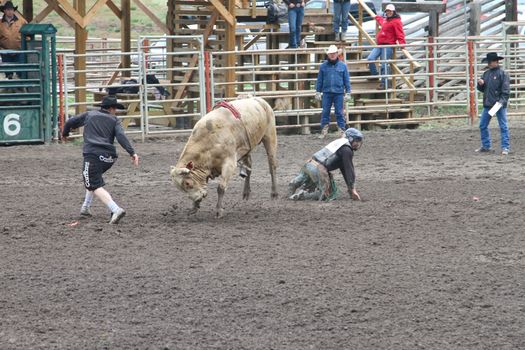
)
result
[(178, 171)]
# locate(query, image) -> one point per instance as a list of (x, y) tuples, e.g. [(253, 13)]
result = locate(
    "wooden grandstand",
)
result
[(224, 27)]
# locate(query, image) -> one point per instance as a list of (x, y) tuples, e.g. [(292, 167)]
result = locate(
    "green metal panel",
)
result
[(21, 124), (38, 28), (28, 105)]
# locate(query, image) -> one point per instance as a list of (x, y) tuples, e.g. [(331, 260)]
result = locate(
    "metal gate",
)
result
[(172, 72), (161, 90), (22, 117)]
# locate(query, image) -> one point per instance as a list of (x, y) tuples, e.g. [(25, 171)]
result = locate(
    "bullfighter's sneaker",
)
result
[(85, 211), (117, 216)]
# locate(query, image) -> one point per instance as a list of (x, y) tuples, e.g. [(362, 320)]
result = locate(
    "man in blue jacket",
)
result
[(332, 82), (495, 85)]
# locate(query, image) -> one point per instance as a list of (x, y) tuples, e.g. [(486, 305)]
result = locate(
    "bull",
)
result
[(219, 141)]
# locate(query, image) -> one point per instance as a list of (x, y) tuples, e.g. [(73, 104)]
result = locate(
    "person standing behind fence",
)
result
[(391, 33), (100, 130), (295, 21), (332, 82), (341, 9), (10, 38), (495, 85)]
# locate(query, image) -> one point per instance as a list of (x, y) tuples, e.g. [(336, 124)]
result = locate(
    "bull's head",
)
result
[(184, 181)]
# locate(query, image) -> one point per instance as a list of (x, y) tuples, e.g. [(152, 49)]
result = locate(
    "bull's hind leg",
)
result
[(246, 161), (227, 171), (270, 145)]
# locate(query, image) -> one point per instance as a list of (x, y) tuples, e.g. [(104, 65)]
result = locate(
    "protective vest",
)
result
[(327, 156)]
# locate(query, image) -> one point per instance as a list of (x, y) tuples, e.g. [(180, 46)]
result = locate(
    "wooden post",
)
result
[(303, 102), (433, 23), (171, 24), (474, 23), (28, 10), (360, 35), (511, 15), (431, 63), (80, 62), (230, 46), (125, 35)]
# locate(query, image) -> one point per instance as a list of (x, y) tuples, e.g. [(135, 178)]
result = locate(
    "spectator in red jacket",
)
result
[(391, 33)]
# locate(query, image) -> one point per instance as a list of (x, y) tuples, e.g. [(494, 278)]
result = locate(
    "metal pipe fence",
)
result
[(443, 87)]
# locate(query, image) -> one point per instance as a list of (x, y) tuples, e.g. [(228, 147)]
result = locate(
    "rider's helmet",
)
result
[(352, 134)]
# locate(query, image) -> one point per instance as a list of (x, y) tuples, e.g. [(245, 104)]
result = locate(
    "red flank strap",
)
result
[(230, 107)]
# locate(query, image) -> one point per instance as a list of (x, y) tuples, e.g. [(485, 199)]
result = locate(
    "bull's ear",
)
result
[(189, 165)]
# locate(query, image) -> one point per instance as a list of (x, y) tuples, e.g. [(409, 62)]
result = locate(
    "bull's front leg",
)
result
[(227, 171), (196, 207)]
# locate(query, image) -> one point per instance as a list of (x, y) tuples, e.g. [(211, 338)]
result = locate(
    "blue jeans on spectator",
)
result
[(484, 121), (341, 10), (330, 98), (385, 53), (295, 21)]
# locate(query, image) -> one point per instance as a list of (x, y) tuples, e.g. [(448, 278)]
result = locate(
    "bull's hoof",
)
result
[(219, 214), (193, 211), (246, 196), (275, 195)]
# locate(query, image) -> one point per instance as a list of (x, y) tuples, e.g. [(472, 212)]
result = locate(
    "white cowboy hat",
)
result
[(390, 7), (332, 49)]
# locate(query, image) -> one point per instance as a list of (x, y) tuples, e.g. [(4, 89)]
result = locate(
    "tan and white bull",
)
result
[(218, 142)]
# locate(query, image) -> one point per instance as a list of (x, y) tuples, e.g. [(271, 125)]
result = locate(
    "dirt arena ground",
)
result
[(432, 258)]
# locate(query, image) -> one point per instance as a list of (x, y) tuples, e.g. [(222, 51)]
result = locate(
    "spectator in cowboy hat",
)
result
[(332, 81), (10, 38), (495, 85), (100, 130)]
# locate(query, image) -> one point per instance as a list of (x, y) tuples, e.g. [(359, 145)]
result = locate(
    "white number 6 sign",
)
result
[(12, 124)]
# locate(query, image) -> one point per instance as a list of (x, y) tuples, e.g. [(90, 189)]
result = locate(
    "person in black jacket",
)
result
[(315, 182), (495, 85), (295, 21), (100, 130)]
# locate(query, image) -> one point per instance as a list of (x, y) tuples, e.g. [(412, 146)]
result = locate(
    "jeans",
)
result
[(341, 10), (295, 20), (330, 98), (385, 53), (503, 127)]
